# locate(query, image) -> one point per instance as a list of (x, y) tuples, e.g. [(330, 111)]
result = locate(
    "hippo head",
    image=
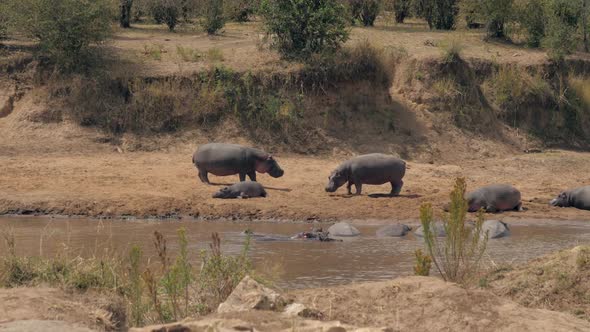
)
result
[(336, 180), (270, 166), (474, 204), (561, 200), (223, 193)]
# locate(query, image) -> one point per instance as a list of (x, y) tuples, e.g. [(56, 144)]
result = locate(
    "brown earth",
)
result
[(42, 308), (62, 169), (560, 282)]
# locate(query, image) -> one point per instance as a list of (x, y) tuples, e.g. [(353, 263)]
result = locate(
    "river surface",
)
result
[(298, 264)]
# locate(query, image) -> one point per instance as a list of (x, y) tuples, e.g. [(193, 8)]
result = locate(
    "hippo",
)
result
[(374, 168), (228, 159), (393, 231), (578, 198), (343, 229), (439, 230), (246, 189), (494, 198), (495, 229)]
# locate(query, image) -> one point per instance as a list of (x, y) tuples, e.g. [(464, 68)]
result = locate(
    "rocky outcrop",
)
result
[(251, 295)]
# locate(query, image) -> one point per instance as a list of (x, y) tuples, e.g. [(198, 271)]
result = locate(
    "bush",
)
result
[(366, 11), (401, 9), (440, 14), (423, 263), (240, 10), (166, 11), (458, 254), (496, 13), (531, 17), (300, 28), (561, 36), (213, 16), (66, 29)]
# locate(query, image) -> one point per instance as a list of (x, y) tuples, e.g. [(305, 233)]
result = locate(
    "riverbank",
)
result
[(165, 184)]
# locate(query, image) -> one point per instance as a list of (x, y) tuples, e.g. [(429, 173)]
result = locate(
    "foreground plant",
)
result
[(456, 256)]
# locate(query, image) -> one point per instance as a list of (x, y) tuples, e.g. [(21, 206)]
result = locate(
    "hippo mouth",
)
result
[(330, 189), (554, 202), (276, 173)]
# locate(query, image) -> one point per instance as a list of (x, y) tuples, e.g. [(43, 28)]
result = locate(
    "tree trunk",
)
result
[(125, 18), (585, 25)]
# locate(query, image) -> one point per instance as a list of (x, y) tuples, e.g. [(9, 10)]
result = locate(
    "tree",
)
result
[(563, 17), (125, 17), (440, 14), (365, 11), (401, 9), (166, 11), (65, 29), (212, 16), (300, 28)]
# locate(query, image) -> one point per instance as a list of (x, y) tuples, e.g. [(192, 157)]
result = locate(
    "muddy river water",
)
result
[(298, 264)]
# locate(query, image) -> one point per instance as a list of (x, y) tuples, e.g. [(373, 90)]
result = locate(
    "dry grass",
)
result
[(559, 282)]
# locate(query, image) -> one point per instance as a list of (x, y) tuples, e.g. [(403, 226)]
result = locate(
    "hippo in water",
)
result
[(375, 168), (343, 229), (578, 198), (393, 231), (246, 189), (494, 198), (228, 159), (495, 229)]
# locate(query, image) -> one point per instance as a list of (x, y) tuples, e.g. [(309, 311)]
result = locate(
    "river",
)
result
[(300, 264)]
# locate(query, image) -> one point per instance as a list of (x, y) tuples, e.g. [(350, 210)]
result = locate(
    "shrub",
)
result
[(188, 54), (401, 9), (423, 263), (457, 255), (531, 17), (212, 16), (496, 13), (166, 11), (440, 14), (300, 28), (240, 10), (562, 23), (366, 11), (66, 29)]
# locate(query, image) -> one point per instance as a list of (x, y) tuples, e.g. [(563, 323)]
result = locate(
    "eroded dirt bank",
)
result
[(158, 184)]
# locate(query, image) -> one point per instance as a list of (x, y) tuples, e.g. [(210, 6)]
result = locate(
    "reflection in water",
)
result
[(302, 263)]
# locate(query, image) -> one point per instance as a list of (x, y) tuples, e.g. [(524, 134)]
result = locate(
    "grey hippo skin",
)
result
[(495, 229), (228, 159), (393, 231), (343, 229), (438, 229), (375, 168), (246, 189), (578, 198), (494, 198)]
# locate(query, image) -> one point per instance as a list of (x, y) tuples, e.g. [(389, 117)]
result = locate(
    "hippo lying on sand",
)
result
[(246, 189), (228, 159), (375, 168), (494, 198), (578, 198)]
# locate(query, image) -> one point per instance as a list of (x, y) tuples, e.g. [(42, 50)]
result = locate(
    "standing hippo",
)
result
[(229, 159), (494, 198), (578, 198), (244, 189), (374, 168)]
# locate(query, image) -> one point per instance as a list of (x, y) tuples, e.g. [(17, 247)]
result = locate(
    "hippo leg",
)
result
[(349, 186), (359, 187), (242, 177), (252, 176), (203, 176), (519, 207), (396, 188)]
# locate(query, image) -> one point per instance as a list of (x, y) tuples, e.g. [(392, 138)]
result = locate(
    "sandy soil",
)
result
[(42, 309), (60, 176)]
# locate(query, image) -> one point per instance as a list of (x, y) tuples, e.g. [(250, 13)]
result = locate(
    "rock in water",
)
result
[(439, 230), (393, 231), (495, 229), (250, 295), (343, 229)]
